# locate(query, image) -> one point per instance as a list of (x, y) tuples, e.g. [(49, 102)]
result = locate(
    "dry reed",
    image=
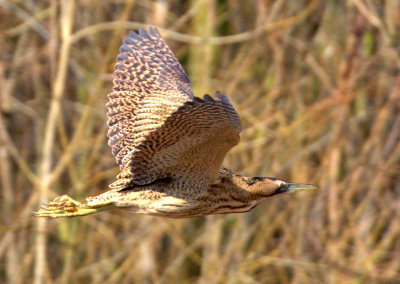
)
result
[(317, 85)]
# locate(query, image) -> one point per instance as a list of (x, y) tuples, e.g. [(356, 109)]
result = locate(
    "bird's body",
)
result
[(180, 199), (169, 144)]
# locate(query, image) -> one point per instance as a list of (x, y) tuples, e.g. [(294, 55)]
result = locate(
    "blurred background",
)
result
[(317, 85)]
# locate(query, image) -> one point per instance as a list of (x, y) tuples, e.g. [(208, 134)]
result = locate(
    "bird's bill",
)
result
[(293, 187)]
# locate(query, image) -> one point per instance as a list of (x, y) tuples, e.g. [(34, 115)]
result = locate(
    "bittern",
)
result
[(169, 144)]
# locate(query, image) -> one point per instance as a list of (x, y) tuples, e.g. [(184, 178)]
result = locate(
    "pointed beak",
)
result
[(293, 187)]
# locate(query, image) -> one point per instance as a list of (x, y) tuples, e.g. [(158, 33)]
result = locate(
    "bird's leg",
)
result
[(65, 206)]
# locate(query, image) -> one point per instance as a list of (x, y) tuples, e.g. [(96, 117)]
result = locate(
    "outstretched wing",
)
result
[(157, 128), (146, 65)]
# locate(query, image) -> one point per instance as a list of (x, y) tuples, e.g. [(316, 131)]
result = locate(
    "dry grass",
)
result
[(317, 84)]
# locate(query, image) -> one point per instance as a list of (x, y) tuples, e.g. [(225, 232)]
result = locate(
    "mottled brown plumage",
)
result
[(169, 144)]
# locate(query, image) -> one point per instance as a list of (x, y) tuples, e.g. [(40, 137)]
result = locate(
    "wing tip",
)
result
[(218, 96), (208, 98), (198, 100), (122, 56), (143, 33), (125, 49), (151, 32)]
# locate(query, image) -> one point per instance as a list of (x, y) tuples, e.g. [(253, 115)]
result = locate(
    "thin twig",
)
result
[(240, 37), (67, 8)]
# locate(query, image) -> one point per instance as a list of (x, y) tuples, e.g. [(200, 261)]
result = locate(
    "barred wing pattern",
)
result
[(157, 128), (146, 64)]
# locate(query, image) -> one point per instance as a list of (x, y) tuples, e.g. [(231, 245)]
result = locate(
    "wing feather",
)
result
[(157, 128)]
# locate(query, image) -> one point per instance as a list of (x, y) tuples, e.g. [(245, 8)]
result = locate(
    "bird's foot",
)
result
[(64, 206)]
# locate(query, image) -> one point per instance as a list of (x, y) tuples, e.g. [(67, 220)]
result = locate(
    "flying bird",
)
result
[(169, 144)]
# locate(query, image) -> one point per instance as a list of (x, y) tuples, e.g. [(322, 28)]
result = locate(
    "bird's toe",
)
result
[(61, 206)]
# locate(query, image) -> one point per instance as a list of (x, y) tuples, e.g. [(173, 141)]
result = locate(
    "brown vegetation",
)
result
[(317, 85)]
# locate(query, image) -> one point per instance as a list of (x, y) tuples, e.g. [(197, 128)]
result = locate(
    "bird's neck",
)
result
[(242, 188)]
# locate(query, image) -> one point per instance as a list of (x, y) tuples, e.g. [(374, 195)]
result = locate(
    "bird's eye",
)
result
[(281, 185)]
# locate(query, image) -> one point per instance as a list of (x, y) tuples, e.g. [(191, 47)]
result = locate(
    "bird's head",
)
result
[(237, 194), (266, 187)]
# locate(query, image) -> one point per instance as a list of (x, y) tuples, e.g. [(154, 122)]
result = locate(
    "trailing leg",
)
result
[(65, 206)]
